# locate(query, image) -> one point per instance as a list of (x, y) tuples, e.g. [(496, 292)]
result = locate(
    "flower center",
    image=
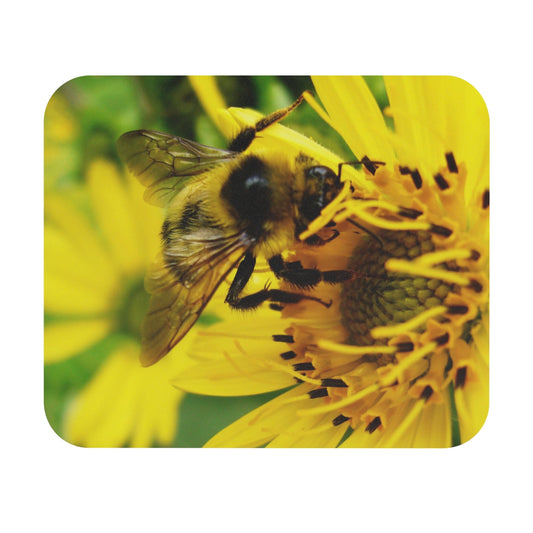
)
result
[(377, 297)]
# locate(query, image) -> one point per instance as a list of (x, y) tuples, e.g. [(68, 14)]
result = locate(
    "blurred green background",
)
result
[(96, 110)]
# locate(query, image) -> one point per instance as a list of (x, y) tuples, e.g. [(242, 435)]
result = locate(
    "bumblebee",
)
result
[(224, 208)]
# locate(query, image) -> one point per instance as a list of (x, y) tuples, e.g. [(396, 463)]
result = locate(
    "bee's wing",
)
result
[(181, 285), (164, 163)]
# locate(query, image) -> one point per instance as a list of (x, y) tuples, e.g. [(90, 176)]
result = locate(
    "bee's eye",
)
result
[(321, 186)]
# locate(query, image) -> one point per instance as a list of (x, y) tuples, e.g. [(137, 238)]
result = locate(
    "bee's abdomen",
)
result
[(248, 193)]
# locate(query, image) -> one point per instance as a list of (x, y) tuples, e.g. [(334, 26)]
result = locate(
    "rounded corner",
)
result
[(473, 89), (54, 430), (58, 90), (475, 433)]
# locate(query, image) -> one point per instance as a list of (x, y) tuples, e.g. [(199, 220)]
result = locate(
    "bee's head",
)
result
[(321, 186)]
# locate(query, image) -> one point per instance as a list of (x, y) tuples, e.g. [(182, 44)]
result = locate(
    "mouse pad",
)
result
[(266, 261)]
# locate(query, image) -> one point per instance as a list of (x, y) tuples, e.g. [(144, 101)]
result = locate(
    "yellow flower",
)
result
[(400, 358), (60, 130), (94, 267)]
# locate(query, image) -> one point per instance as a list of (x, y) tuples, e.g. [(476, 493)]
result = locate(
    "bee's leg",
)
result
[(242, 276), (251, 301), (306, 278), (247, 135)]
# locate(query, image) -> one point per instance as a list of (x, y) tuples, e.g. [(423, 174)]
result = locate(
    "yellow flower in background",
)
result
[(60, 128), (95, 260), (400, 358)]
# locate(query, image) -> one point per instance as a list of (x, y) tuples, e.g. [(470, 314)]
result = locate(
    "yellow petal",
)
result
[(412, 108), (157, 417), (227, 359), (262, 424), (64, 339), (236, 376), (113, 210), (90, 421), (387, 437), (61, 213), (210, 97), (124, 404), (62, 259), (310, 432), (438, 114), (63, 296), (356, 116), (430, 427), (431, 430)]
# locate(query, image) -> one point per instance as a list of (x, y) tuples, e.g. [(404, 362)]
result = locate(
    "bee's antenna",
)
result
[(361, 227), (370, 165), (276, 116), (248, 134)]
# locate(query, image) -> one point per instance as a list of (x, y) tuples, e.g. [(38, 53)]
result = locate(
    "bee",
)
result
[(225, 208)]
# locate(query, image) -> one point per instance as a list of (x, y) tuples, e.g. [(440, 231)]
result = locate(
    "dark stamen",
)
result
[(440, 230), (474, 255), (485, 201), (450, 161), (340, 420), (426, 393), (441, 182), (443, 339), (318, 393), (299, 367), (404, 170), (289, 339), (405, 347), (333, 382), (457, 309), (409, 213), (475, 285), (460, 377), (417, 178), (288, 355), (376, 422)]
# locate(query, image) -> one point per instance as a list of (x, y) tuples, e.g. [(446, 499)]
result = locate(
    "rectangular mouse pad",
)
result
[(266, 261)]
